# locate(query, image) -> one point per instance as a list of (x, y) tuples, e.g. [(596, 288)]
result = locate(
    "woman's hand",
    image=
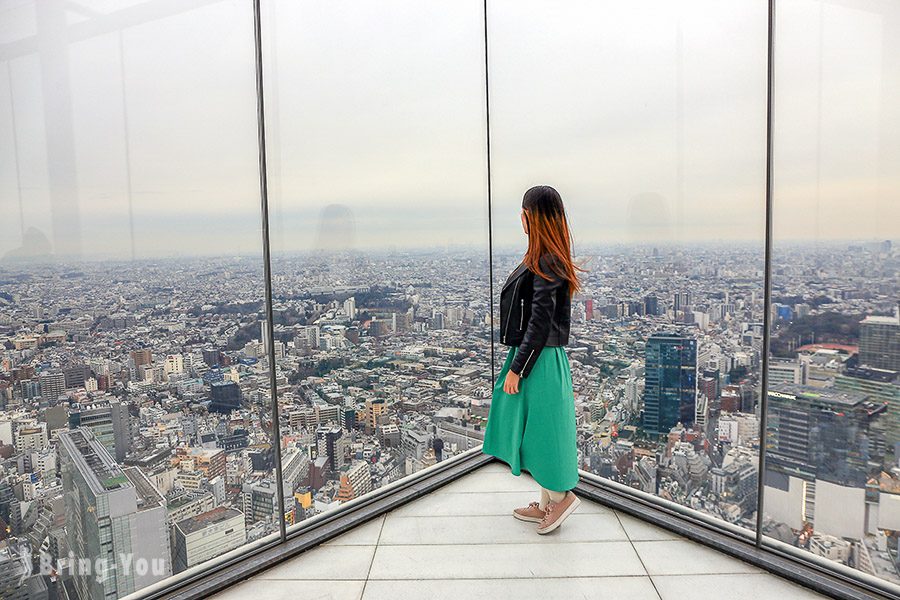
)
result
[(511, 383)]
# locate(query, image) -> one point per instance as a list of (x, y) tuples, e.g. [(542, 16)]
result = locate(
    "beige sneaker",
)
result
[(532, 513), (557, 512)]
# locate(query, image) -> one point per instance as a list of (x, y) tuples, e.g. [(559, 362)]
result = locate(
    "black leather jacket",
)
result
[(534, 313)]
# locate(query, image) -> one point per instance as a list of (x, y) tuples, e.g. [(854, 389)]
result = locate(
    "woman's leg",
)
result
[(550, 496), (545, 498), (555, 496)]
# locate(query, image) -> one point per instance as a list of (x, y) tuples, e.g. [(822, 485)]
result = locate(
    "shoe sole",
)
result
[(561, 518), (524, 518)]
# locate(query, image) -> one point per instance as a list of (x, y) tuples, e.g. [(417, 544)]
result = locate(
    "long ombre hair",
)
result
[(548, 232)]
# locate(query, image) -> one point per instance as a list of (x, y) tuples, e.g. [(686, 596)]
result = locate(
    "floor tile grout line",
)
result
[(765, 574), (504, 543), (442, 491), (554, 543), (463, 516), (374, 552), (501, 578), (638, 554), (662, 575)]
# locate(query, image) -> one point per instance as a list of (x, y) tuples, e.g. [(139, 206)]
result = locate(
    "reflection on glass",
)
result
[(135, 421), (379, 239), (832, 482), (656, 141)]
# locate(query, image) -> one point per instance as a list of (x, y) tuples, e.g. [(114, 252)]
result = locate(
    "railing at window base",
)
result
[(811, 571)]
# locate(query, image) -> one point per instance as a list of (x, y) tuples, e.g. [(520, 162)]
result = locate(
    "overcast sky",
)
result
[(649, 117)]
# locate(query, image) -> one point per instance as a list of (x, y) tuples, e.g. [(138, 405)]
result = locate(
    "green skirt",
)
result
[(534, 430)]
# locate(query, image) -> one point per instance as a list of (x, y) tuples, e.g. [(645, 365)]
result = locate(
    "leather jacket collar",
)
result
[(512, 276)]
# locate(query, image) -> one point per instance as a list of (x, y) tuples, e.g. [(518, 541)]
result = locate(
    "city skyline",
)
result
[(581, 248), (379, 362)]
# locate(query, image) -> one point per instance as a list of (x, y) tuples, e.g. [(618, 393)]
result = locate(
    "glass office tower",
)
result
[(670, 389)]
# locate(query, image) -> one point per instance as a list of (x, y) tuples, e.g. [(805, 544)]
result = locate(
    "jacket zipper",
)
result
[(522, 370), (506, 326), (521, 313)]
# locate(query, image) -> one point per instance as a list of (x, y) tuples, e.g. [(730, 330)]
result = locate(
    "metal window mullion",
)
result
[(267, 260), (767, 275), (487, 138)]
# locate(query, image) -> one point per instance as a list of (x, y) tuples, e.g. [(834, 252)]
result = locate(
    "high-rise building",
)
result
[(174, 364), (31, 437), (260, 502), (819, 434), (76, 376), (880, 385), (53, 384), (225, 396), (708, 385), (682, 301), (263, 332), (333, 444), (786, 370), (144, 356), (670, 390), (15, 581), (651, 305), (110, 423), (210, 357), (114, 515), (350, 307), (356, 480), (879, 342), (294, 469), (818, 447)]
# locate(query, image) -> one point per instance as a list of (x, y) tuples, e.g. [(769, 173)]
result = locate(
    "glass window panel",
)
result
[(832, 478), (132, 388), (377, 195), (651, 125)]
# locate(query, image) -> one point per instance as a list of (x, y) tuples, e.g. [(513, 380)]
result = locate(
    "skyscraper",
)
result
[(109, 422), (879, 342), (818, 448), (670, 392), (822, 434), (682, 301), (115, 515), (880, 385)]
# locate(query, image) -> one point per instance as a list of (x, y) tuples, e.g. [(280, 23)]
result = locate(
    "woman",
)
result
[(531, 424)]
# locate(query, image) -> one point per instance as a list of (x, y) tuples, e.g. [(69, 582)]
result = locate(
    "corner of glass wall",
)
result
[(655, 138), (832, 478), (135, 428), (379, 240)]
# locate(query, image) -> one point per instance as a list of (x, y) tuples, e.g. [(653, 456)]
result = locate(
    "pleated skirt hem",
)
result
[(534, 429)]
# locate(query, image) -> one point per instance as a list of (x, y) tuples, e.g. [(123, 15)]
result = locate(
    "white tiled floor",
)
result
[(461, 542)]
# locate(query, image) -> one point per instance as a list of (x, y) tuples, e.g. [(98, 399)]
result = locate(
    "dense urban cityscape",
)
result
[(136, 412)]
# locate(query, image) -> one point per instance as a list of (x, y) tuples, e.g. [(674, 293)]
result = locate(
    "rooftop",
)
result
[(794, 392), (461, 542), (881, 320), (201, 521), (99, 468)]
